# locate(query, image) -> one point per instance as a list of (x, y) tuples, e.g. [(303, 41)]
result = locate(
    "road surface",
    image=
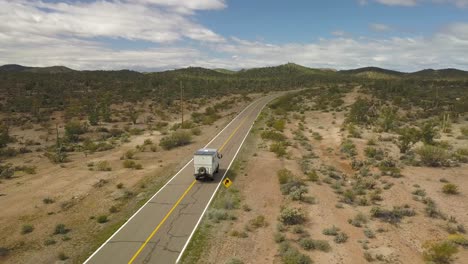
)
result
[(160, 230)]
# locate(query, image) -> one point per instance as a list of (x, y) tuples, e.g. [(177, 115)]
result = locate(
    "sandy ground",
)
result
[(78, 196), (400, 243)]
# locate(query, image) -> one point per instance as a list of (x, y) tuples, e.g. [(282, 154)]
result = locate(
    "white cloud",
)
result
[(100, 19), (458, 3), (186, 6), (38, 33), (398, 2), (377, 27)]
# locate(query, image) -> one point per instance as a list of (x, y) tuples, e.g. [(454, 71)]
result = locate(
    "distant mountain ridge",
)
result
[(21, 68), (284, 70)]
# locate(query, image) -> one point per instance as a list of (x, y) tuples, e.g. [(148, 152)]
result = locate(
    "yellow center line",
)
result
[(178, 201)]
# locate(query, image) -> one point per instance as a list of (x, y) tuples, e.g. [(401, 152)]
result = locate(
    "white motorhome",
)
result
[(206, 163)]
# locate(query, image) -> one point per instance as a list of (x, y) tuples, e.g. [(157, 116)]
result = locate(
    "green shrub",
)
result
[(279, 149), (433, 156), (102, 219), (48, 200), (369, 233), (176, 139), (49, 242), (311, 244), (196, 131), (27, 229), (292, 216), (284, 176), (273, 135), (73, 129), (332, 231), (374, 153), (391, 216), (60, 229), (312, 176), (258, 222), (234, 261), (348, 148), (62, 256), (341, 238), (279, 237), (290, 255), (439, 252), (450, 188), (464, 131), (103, 166)]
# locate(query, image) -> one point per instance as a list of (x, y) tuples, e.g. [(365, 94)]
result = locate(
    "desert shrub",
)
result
[(359, 220), (8, 152), (428, 132), (74, 129), (359, 112), (102, 219), (258, 222), (389, 167), (131, 164), (332, 231), (284, 176), (317, 136), (433, 156), (391, 216), (62, 256), (279, 149), (279, 124), (374, 153), (458, 239), (26, 229), (450, 188), (369, 233), (234, 261), (103, 166), (297, 192), (6, 172), (49, 242), (61, 229), (290, 255), (348, 148), (408, 136), (196, 131), (229, 201), (58, 156), (464, 131), (353, 131), (218, 215), (113, 209), (312, 176), (439, 252), (341, 238), (4, 135), (431, 209), (292, 216), (279, 237), (48, 200), (311, 244), (273, 135), (176, 139)]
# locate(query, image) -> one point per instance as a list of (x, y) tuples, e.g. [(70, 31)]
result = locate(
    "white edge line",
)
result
[(219, 184), (120, 228)]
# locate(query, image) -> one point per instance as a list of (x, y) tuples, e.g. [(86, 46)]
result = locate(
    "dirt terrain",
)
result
[(371, 240), (76, 194)]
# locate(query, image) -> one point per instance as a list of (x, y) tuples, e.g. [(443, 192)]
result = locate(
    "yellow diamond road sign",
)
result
[(227, 182)]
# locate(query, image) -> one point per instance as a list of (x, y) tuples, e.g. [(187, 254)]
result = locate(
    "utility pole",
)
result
[(181, 104)]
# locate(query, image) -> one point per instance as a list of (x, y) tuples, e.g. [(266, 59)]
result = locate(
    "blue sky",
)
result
[(150, 35)]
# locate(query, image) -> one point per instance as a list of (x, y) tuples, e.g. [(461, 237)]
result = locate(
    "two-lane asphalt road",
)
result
[(161, 229)]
